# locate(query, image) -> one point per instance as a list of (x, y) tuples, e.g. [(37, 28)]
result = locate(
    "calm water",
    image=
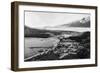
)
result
[(37, 42)]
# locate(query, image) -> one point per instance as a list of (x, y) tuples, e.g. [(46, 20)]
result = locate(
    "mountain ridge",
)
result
[(85, 22)]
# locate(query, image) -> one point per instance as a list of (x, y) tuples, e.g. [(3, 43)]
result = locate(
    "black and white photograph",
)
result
[(53, 36), (56, 36)]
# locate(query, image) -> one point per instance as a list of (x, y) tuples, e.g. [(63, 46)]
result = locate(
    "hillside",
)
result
[(43, 33), (74, 47)]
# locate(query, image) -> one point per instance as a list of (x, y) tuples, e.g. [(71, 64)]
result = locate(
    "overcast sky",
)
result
[(43, 19)]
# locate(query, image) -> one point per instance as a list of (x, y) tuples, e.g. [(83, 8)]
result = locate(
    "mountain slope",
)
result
[(42, 33), (85, 22), (77, 24)]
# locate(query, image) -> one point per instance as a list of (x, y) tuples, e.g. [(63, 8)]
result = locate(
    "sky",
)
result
[(50, 19)]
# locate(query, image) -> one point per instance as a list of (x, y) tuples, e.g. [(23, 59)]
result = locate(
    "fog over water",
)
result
[(78, 29)]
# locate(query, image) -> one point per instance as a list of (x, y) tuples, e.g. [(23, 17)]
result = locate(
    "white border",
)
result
[(33, 64)]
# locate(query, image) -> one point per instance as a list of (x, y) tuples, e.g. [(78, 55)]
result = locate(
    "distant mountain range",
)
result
[(85, 22)]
